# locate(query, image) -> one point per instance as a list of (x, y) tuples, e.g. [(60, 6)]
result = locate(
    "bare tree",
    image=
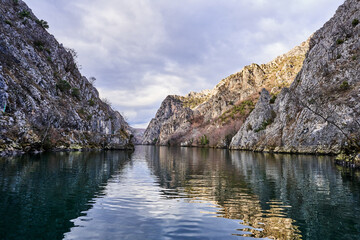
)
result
[(106, 101), (92, 80), (126, 118), (74, 55)]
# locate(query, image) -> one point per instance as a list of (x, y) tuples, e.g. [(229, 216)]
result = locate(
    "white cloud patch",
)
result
[(141, 51)]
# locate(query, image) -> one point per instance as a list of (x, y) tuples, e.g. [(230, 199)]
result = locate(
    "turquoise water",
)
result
[(177, 193)]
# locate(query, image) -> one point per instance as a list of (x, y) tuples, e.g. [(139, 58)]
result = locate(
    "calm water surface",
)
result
[(177, 193)]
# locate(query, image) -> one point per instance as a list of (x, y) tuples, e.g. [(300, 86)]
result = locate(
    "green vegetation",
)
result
[(75, 92), (24, 14), (204, 140), (340, 41), (354, 57), (91, 102), (16, 2), (193, 102), (43, 23), (154, 141), (344, 85), (249, 127), (355, 22), (81, 111), (338, 56), (56, 75), (8, 22), (63, 85), (273, 98), (266, 122), (39, 44), (244, 108), (264, 125)]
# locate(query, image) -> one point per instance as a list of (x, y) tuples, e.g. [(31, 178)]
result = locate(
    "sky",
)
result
[(140, 51)]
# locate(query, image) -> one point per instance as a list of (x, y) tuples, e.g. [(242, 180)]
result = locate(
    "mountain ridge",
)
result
[(318, 113), (45, 101), (226, 105)]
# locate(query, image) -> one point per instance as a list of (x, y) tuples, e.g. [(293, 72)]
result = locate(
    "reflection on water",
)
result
[(177, 193), (40, 194), (278, 196), (208, 175)]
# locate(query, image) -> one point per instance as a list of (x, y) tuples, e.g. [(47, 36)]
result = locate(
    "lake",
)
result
[(177, 193)]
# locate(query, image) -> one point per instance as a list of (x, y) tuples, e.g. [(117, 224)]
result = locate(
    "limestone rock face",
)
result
[(319, 113), (45, 102), (171, 108), (218, 113), (238, 87), (262, 116)]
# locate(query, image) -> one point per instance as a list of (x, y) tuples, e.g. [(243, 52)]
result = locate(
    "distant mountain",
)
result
[(212, 117), (45, 102), (138, 134)]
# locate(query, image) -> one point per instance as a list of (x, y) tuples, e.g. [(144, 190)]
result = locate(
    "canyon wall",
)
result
[(45, 102)]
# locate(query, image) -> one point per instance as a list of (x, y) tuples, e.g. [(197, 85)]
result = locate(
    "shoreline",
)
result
[(347, 160), (340, 159)]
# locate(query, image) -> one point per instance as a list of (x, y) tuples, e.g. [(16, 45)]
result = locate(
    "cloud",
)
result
[(153, 88), (140, 50)]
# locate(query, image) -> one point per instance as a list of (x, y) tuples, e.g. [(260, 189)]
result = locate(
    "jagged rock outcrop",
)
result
[(320, 112), (261, 116), (171, 109), (45, 103), (217, 114)]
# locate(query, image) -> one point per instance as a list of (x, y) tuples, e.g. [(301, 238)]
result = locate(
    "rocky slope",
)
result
[(171, 108), (212, 117), (320, 112), (45, 103)]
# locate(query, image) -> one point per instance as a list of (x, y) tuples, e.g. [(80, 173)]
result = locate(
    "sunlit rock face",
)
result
[(45, 102), (319, 113), (219, 113)]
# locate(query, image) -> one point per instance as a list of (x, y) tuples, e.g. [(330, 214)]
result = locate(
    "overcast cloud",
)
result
[(140, 51)]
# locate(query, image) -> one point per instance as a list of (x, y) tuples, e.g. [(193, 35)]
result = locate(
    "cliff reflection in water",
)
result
[(279, 196), (40, 194)]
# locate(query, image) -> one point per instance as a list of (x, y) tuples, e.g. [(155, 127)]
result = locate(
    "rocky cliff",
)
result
[(172, 108), (320, 112), (45, 102), (212, 117)]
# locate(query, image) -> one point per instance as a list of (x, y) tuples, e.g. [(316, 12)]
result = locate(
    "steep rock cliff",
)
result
[(45, 103), (171, 108), (319, 113), (216, 115)]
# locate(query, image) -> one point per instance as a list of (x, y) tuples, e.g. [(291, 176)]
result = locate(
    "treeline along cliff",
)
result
[(45, 102)]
